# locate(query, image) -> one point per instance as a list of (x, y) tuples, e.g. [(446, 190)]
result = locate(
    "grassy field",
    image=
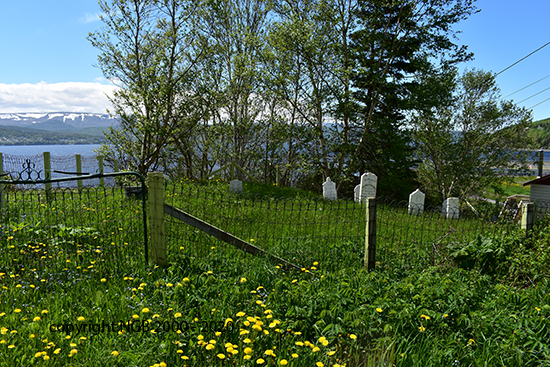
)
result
[(78, 293)]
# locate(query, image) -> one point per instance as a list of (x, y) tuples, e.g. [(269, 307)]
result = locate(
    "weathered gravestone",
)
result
[(236, 186), (450, 208), (367, 186), (329, 190), (357, 193), (416, 202)]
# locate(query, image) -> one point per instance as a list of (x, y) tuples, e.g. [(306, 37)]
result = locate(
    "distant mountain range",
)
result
[(54, 128)]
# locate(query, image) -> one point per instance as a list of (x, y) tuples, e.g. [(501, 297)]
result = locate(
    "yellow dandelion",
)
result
[(353, 336), (81, 318), (421, 328), (114, 353), (260, 361), (379, 310), (283, 362)]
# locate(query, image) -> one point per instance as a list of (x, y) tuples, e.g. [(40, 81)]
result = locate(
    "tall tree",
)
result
[(147, 49), (397, 40), (473, 142), (234, 30)]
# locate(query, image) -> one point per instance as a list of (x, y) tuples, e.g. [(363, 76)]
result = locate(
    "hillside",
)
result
[(540, 132), (13, 135)]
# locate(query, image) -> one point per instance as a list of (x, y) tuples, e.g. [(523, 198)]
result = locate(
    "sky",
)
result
[(47, 64)]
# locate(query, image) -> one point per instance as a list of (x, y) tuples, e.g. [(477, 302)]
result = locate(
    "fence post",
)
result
[(370, 235), (48, 174), (155, 182), (100, 164), (527, 216), (79, 170), (2, 197)]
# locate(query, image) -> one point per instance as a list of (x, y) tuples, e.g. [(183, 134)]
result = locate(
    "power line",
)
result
[(523, 58), (546, 100), (519, 90), (536, 94)]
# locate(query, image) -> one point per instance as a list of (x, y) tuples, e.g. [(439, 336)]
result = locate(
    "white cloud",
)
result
[(90, 18), (55, 97)]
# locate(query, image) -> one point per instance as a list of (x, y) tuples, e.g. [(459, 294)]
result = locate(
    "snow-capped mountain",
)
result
[(77, 120)]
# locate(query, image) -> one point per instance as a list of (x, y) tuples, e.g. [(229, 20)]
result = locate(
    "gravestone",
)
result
[(367, 186), (416, 202), (450, 208), (356, 194), (329, 190), (236, 186)]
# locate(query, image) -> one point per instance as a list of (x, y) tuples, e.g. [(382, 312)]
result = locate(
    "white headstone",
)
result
[(236, 186), (356, 193), (416, 202), (329, 190), (368, 186), (450, 208)]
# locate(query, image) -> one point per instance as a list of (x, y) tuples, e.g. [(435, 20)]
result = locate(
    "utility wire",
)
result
[(519, 90), (546, 100), (523, 58), (536, 94)]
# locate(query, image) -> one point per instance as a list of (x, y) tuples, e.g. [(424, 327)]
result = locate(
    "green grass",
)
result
[(485, 303)]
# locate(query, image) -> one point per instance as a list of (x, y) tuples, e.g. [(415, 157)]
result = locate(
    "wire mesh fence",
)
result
[(299, 230), (333, 233), (70, 229), (408, 238)]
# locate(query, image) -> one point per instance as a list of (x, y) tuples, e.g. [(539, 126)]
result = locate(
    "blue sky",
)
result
[(46, 62)]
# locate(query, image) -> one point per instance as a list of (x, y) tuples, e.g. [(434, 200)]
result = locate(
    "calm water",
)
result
[(55, 150)]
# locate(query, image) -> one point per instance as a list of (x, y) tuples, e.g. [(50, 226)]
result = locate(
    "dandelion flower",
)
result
[(421, 328), (114, 353), (379, 310), (243, 280), (221, 356), (319, 364), (37, 318), (283, 362), (145, 310), (260, 361), (247, 350), (353, 336), (81, 318)]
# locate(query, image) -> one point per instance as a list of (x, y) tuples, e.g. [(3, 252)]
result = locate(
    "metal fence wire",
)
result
[(305, 231), (299, 230), (64, 229)]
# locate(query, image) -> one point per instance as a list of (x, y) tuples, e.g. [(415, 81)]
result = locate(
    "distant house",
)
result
[(540, 190)]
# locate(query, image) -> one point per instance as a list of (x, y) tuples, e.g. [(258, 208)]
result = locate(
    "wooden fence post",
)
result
[(79, 170), (48, 174), (370, 235), (100, 164), (527, 216), (155, 182)]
